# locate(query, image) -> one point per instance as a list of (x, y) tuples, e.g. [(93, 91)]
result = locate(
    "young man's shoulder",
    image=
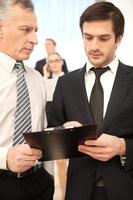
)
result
[(126, 65), (73, 74)]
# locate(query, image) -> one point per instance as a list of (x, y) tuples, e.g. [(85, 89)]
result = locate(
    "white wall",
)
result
[(59, 19)]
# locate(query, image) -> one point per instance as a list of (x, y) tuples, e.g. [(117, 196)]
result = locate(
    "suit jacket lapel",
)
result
[(121, 85), (81, 96)]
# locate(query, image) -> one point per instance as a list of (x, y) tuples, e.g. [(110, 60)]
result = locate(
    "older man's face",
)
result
[(18, 33)]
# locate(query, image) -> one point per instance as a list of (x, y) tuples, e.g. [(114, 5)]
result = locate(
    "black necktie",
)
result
[(97, 98)]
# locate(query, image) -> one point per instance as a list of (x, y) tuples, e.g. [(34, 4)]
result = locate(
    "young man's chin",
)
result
[(96, 63)]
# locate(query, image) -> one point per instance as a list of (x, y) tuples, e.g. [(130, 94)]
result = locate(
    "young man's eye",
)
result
[(104, 39)]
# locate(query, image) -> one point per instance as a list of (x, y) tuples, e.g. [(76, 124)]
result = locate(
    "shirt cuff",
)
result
[(3, 156), (123, 160)]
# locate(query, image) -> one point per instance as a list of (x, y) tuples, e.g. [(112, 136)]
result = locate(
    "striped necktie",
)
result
[(23, 111)]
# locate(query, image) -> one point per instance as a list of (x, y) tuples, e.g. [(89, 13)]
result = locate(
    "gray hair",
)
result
[(7, 5)]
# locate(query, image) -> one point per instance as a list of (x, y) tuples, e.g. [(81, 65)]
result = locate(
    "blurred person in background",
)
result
[(52, 71), (53, 68), (50, 47), (54, 64)]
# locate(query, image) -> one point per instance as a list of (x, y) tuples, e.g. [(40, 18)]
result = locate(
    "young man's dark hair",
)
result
[(104, 11)]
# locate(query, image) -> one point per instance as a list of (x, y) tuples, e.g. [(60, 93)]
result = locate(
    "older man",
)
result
[(22, 106)]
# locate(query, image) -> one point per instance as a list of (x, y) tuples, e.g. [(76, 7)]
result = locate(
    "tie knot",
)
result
[(99, 71), (19, 64)]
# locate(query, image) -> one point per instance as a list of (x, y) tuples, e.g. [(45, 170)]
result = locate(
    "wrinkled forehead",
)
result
[(19, 13)]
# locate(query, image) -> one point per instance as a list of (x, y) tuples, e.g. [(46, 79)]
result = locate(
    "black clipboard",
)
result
[(60, 143)]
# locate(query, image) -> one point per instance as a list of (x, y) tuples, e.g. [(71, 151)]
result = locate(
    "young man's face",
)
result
[(99, 42), (18, 33)]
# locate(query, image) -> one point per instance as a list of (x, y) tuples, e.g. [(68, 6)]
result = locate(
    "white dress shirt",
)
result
[(8, 97), (107, 81)]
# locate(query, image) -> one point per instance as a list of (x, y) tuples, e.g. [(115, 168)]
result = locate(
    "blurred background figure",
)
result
[(52, 71), (53, 68), (50, 47)]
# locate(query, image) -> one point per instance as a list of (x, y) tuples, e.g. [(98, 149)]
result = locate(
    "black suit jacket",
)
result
[(41, 63), (70, 103)]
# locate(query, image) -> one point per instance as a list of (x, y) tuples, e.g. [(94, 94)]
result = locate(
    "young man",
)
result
[(22, 106), (106, 172)]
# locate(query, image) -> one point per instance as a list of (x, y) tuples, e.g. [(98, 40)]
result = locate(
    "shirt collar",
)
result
[(55, 75), (113, 66), (7, 62)]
